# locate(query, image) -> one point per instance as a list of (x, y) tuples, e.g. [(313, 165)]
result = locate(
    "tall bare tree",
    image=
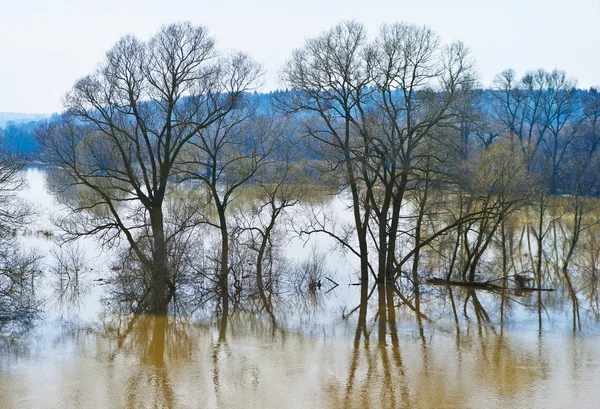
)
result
[(421, 86), (123, 134), (225, 157), (370, 105), (18, 269), (330, 83)]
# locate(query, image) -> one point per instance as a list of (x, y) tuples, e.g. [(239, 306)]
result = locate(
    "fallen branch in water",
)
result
[(484, 286), (17, 315), (470, 284), (336, 284)]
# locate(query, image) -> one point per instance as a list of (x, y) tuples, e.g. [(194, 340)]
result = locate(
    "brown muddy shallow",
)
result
[(128, 361)]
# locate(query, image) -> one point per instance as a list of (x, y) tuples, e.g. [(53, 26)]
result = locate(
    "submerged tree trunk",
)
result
[(393, 233), (160, 294), (361, 225), (540, 254), (382, 311), (418, 226), (266, 237), (577, 228), (224, 269)]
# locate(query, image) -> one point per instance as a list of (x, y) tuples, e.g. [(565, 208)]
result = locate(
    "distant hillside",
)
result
[(19, 118)]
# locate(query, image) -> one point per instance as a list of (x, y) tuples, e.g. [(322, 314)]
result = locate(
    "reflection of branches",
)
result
[(14, 335), (306, 281), (68, 268), (378, 376), (409, 305), (359, 306), (480, 311), (220, 345), (18, 274), (156, 339)]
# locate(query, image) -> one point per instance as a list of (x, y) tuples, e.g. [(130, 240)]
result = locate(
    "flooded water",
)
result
[(144, 362), (313, 353)]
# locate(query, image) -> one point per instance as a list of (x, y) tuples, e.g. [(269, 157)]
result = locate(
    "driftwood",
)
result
[(18, 314), (334, 285), (470, 284), (533, 289), (484, 286)]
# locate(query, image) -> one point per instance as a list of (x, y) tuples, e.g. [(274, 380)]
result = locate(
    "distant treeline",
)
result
[(553, 121), (18, 134)]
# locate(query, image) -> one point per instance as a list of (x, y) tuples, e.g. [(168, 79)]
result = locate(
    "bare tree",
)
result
[(225, 157), (370, 107), (421, 85), (125, 129), (330, 83), (559, 110), (581, 209), (590, 127), (279, 186), (497, 187), (519, 106), (18, 269)]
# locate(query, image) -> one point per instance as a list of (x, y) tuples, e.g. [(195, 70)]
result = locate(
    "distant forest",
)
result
[(554, 121)]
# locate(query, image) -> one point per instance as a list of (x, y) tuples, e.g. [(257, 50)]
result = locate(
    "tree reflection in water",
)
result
[(378, 374), (381, 355), (149, 337), (393, 346), (485, 361)]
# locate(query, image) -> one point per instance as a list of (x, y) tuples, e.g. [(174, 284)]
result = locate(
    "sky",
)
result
[(45, 46)]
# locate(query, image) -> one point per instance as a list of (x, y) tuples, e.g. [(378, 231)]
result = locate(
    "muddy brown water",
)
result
[(311, 357)]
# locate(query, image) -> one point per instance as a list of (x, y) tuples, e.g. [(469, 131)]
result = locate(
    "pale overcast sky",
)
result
[(46, 45)]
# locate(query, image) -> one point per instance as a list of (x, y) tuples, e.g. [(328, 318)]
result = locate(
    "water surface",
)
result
[(310, 354)]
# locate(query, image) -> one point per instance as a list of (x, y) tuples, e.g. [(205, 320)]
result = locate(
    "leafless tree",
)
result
[(519, 105), (279, 187), (421, 85), (18, 269), (370, 106), (330, 80), (580, 216), (124, 132), (590, 126), (224, 157)]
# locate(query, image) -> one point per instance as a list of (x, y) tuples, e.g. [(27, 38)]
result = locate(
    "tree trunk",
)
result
[(361, 230), (393, 234), (224, 271), (382, 310), (159, 289), (259, 263)]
